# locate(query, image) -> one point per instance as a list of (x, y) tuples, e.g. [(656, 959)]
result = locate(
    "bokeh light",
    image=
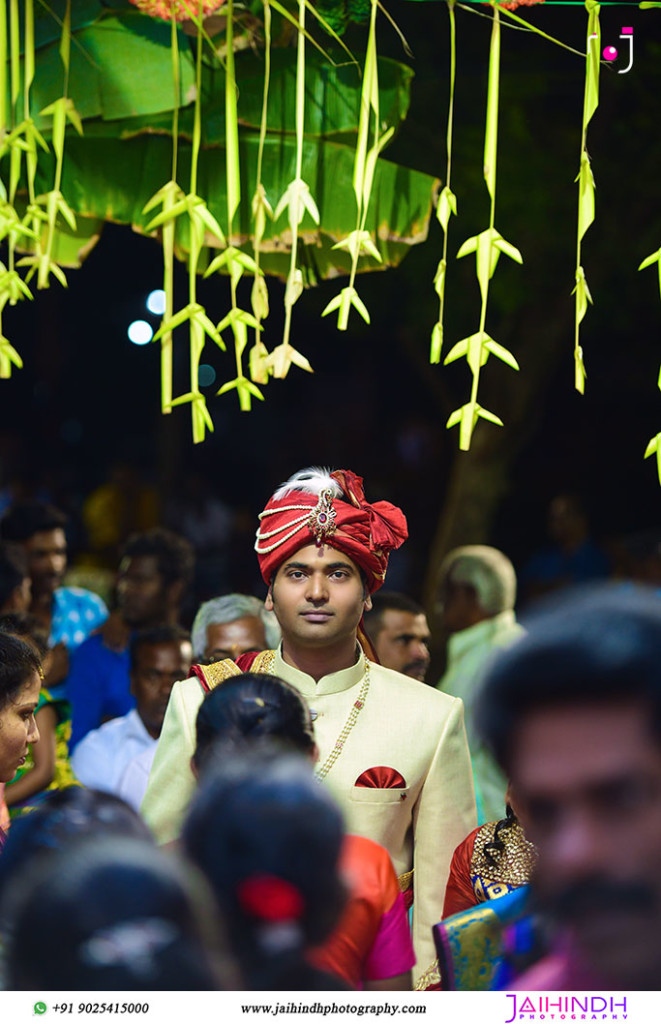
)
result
[(156, 302), (140, 332), (206, 376)]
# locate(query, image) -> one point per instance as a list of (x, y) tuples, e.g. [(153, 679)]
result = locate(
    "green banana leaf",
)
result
[(119, 67), (332, 94), (111, 179), (118, 72), (48, 16)]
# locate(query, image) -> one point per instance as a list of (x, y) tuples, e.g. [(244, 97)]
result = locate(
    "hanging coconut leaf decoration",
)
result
[(275, 141), (148, 86)]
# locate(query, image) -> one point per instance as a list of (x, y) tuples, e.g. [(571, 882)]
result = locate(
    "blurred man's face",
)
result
[(141, 591), (459, 607), (47, 560), (158, 667), (403, 643), (588, 780)]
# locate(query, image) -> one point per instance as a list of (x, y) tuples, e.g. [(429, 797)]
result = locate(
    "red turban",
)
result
[(366, 533)]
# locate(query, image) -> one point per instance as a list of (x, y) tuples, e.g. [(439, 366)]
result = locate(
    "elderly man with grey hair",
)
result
[(229, 626), (477, 591)]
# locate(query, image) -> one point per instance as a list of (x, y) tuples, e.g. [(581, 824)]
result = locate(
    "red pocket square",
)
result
[(381, 778)]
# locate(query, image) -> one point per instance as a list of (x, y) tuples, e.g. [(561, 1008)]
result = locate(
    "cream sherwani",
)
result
[(403, 725)]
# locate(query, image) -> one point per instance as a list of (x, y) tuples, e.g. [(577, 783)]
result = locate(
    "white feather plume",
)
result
[(312, 480)]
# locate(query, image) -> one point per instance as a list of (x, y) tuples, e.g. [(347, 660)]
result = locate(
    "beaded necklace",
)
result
[(356, 708)]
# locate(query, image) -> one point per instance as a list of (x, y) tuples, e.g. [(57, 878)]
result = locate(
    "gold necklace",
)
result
[(356, 708)]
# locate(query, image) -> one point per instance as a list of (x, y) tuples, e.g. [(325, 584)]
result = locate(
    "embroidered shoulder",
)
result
[(212, 675), (263, 662), (218, 672)]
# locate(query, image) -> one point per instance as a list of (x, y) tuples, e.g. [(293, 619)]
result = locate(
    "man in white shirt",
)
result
[(477, 595), (158, 657), (133, 780)]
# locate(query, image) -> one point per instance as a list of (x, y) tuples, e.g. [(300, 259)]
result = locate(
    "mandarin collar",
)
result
[(480, 633), (336, 682)]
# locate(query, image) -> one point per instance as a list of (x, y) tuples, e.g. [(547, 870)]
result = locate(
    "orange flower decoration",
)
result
[(520, 3), (180, 10)]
